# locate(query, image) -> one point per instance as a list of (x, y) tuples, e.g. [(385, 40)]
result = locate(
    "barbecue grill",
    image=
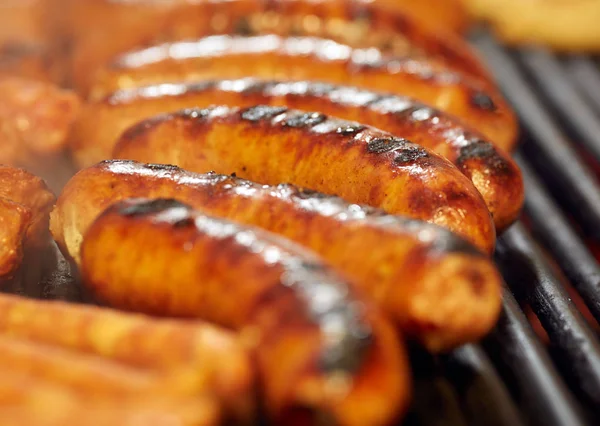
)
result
[(515, 377)]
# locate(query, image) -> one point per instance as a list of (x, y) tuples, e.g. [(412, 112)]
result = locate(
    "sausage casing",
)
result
[(495, 175), (14, 222), (35, 119), (28, 190), (317, 346), (272, 145), (130, 352), (297, 58), (434, 285), (105, 28)]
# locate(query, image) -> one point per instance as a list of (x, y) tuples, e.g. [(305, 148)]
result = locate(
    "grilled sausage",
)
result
[(316, 345), (31, 401), (361, 164), (35, 120), (435, 287), (272, 57), (14, 222), (30, 191), (493, 172), (27, 61), (105, 28), (105, 354)]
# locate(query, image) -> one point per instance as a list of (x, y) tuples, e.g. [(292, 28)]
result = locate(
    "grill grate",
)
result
[(514, 378)]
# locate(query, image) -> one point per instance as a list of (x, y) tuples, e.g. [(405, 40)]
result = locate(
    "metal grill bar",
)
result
[(556, 84), (586, 75), (526, 366), (484, 398), (575, 343), (567, 173), (553, 229)]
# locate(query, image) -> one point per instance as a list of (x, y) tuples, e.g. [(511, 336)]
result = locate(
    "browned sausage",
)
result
[(317, 346), (28, 190), (361, 164), (272, 57), (14, 222), (104, 353), (436, 287), (35, 120), (102, 28), (492, 171)]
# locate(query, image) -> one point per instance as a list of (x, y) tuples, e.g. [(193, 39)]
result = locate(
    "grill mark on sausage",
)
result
[(262, 112), (308, 119)]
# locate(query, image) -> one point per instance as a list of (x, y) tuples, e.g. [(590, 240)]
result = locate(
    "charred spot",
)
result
[(243, 27), (234, 175), (410, 154), (483, 101), (184, 223), (382, 145), (150, 207), (482, 150), (305, 120), (309, 193), (350, 129), (162, 167), (262, 112)]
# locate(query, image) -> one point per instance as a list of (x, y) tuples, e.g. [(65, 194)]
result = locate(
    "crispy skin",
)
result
[(103, 29), (103, 354), (435, 286), (14, 221), (566, 25), (274, 145), (316, 345), (272, 57), (30, 191), (495, 175), (35, 120)]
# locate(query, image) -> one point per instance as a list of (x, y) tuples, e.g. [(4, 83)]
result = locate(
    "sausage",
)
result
[(273, 144), (317, 346), (104, 28), (31, 192), (30, 401), (106, 355), (272, 57), (27, 60), (495, 175), (35, 120), (388, 257), (14, 222)]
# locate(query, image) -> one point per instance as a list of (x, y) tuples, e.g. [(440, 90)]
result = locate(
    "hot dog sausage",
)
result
[(272, 57), (389, 257), (35, 120), (28, 190), (316, 345), (14, 222), (105, 354), (359, 163), (492, 171), (104, 28)]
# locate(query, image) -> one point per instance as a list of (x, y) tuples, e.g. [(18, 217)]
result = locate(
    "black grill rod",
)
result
[(555, 83), (553, 229), (559, 160), (540, 391), (585, 73), (529, 276), (483, 396)]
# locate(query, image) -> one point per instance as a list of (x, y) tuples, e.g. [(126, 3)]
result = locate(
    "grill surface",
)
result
[(518, 376)]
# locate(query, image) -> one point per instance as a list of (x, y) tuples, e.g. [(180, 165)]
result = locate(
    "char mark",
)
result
[(143, 208), (262, 112), (308, 119)]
